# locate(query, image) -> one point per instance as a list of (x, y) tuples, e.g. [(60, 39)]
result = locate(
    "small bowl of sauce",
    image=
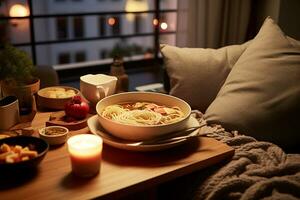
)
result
[(54, 135)]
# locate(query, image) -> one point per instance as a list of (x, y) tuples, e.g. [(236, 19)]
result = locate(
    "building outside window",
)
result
[(64, 58), (102, 25), (62, 28), (137, 23), (103, 54), (116, 28), (78, 27), (80, 56)]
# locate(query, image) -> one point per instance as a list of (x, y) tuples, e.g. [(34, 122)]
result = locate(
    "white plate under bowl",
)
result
[(96, 128)]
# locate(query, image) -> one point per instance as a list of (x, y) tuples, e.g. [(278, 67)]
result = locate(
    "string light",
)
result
[(155, 22), (111, 21), (164, 26)]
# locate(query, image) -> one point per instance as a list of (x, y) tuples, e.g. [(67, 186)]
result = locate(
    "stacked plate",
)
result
[(111, 140)]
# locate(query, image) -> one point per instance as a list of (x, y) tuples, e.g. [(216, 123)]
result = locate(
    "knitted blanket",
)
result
[(258, 170)]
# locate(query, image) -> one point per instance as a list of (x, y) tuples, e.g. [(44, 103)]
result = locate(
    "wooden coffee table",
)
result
[(122, 172)]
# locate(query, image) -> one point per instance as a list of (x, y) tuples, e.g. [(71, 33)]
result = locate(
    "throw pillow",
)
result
[(197, 74), (261, 95)]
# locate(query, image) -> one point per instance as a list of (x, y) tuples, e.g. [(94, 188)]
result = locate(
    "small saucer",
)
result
[(96, 128)]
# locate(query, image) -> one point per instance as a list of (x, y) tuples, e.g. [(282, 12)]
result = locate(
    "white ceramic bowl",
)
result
[(57, 103), (56, 138), (142, 132)]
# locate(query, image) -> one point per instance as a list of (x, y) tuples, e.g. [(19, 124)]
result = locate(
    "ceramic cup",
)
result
[(9, 112), (95, 87)]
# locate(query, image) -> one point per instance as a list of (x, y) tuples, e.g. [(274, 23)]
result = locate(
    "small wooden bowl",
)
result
[(45, 101), (56, 138)]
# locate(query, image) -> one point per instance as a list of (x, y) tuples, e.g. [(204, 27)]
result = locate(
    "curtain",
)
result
[(212, 23)]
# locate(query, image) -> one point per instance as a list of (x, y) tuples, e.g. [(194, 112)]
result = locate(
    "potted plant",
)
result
[(17, 76)]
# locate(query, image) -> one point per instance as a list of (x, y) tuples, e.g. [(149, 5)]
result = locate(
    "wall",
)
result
[(289, 17), (285, 12)]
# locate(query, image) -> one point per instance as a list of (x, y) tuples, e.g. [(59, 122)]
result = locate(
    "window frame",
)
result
[(33, 43)]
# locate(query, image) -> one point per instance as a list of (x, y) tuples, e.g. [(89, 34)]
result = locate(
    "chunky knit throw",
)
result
[(258, 170)]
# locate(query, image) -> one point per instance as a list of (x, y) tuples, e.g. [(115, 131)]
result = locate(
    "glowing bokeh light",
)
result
[(135, 6), (155, 22), (18, 10), (164, 26), (111, 21)]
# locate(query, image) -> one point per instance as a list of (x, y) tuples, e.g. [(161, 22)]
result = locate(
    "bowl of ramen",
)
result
[(55, 97), (142, 115)]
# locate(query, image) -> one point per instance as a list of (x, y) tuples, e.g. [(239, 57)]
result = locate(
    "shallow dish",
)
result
[(96, 128), (38, 144), (142, 132), (49, 98), (54, 135)]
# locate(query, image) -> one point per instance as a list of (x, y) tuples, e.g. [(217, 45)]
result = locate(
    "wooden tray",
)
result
[(60, 119)]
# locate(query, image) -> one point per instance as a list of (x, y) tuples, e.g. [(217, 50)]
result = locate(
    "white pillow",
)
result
[(197, 74), (261, 95)]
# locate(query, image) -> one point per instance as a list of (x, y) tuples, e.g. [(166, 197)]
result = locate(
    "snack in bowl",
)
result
[(16, 153), (54, 135), (55, 97), (57, 92), (142, 115), (19, 152)]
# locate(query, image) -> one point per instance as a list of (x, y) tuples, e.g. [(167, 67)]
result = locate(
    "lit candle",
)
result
[(85, 153)]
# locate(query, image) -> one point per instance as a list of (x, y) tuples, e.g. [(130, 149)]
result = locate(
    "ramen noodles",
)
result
[(143, 113)]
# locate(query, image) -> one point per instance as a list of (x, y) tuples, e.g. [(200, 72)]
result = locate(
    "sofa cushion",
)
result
[(261, 95), (197, 74)]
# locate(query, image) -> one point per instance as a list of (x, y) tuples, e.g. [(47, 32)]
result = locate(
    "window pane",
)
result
[(167, 39), (78, 27), (61, 28), (138, 23), (107, 35), (116, 26), (80, 56), (18, 31), (168, 4), (168, 21), (102, 25), (63, 58), (85, 6), (4, 30), (62, 53)]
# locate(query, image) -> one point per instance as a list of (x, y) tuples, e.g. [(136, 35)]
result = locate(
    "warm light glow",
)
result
[(164, 26), (155, 22), (18, 10), (111, 21), (135, 6), (85, 145), (85, 154)]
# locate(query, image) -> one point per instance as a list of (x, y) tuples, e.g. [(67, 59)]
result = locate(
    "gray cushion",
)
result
[(261, 95), (197, 74)]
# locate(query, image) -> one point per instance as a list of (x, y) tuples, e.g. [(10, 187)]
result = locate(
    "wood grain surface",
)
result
[(122, 172)]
